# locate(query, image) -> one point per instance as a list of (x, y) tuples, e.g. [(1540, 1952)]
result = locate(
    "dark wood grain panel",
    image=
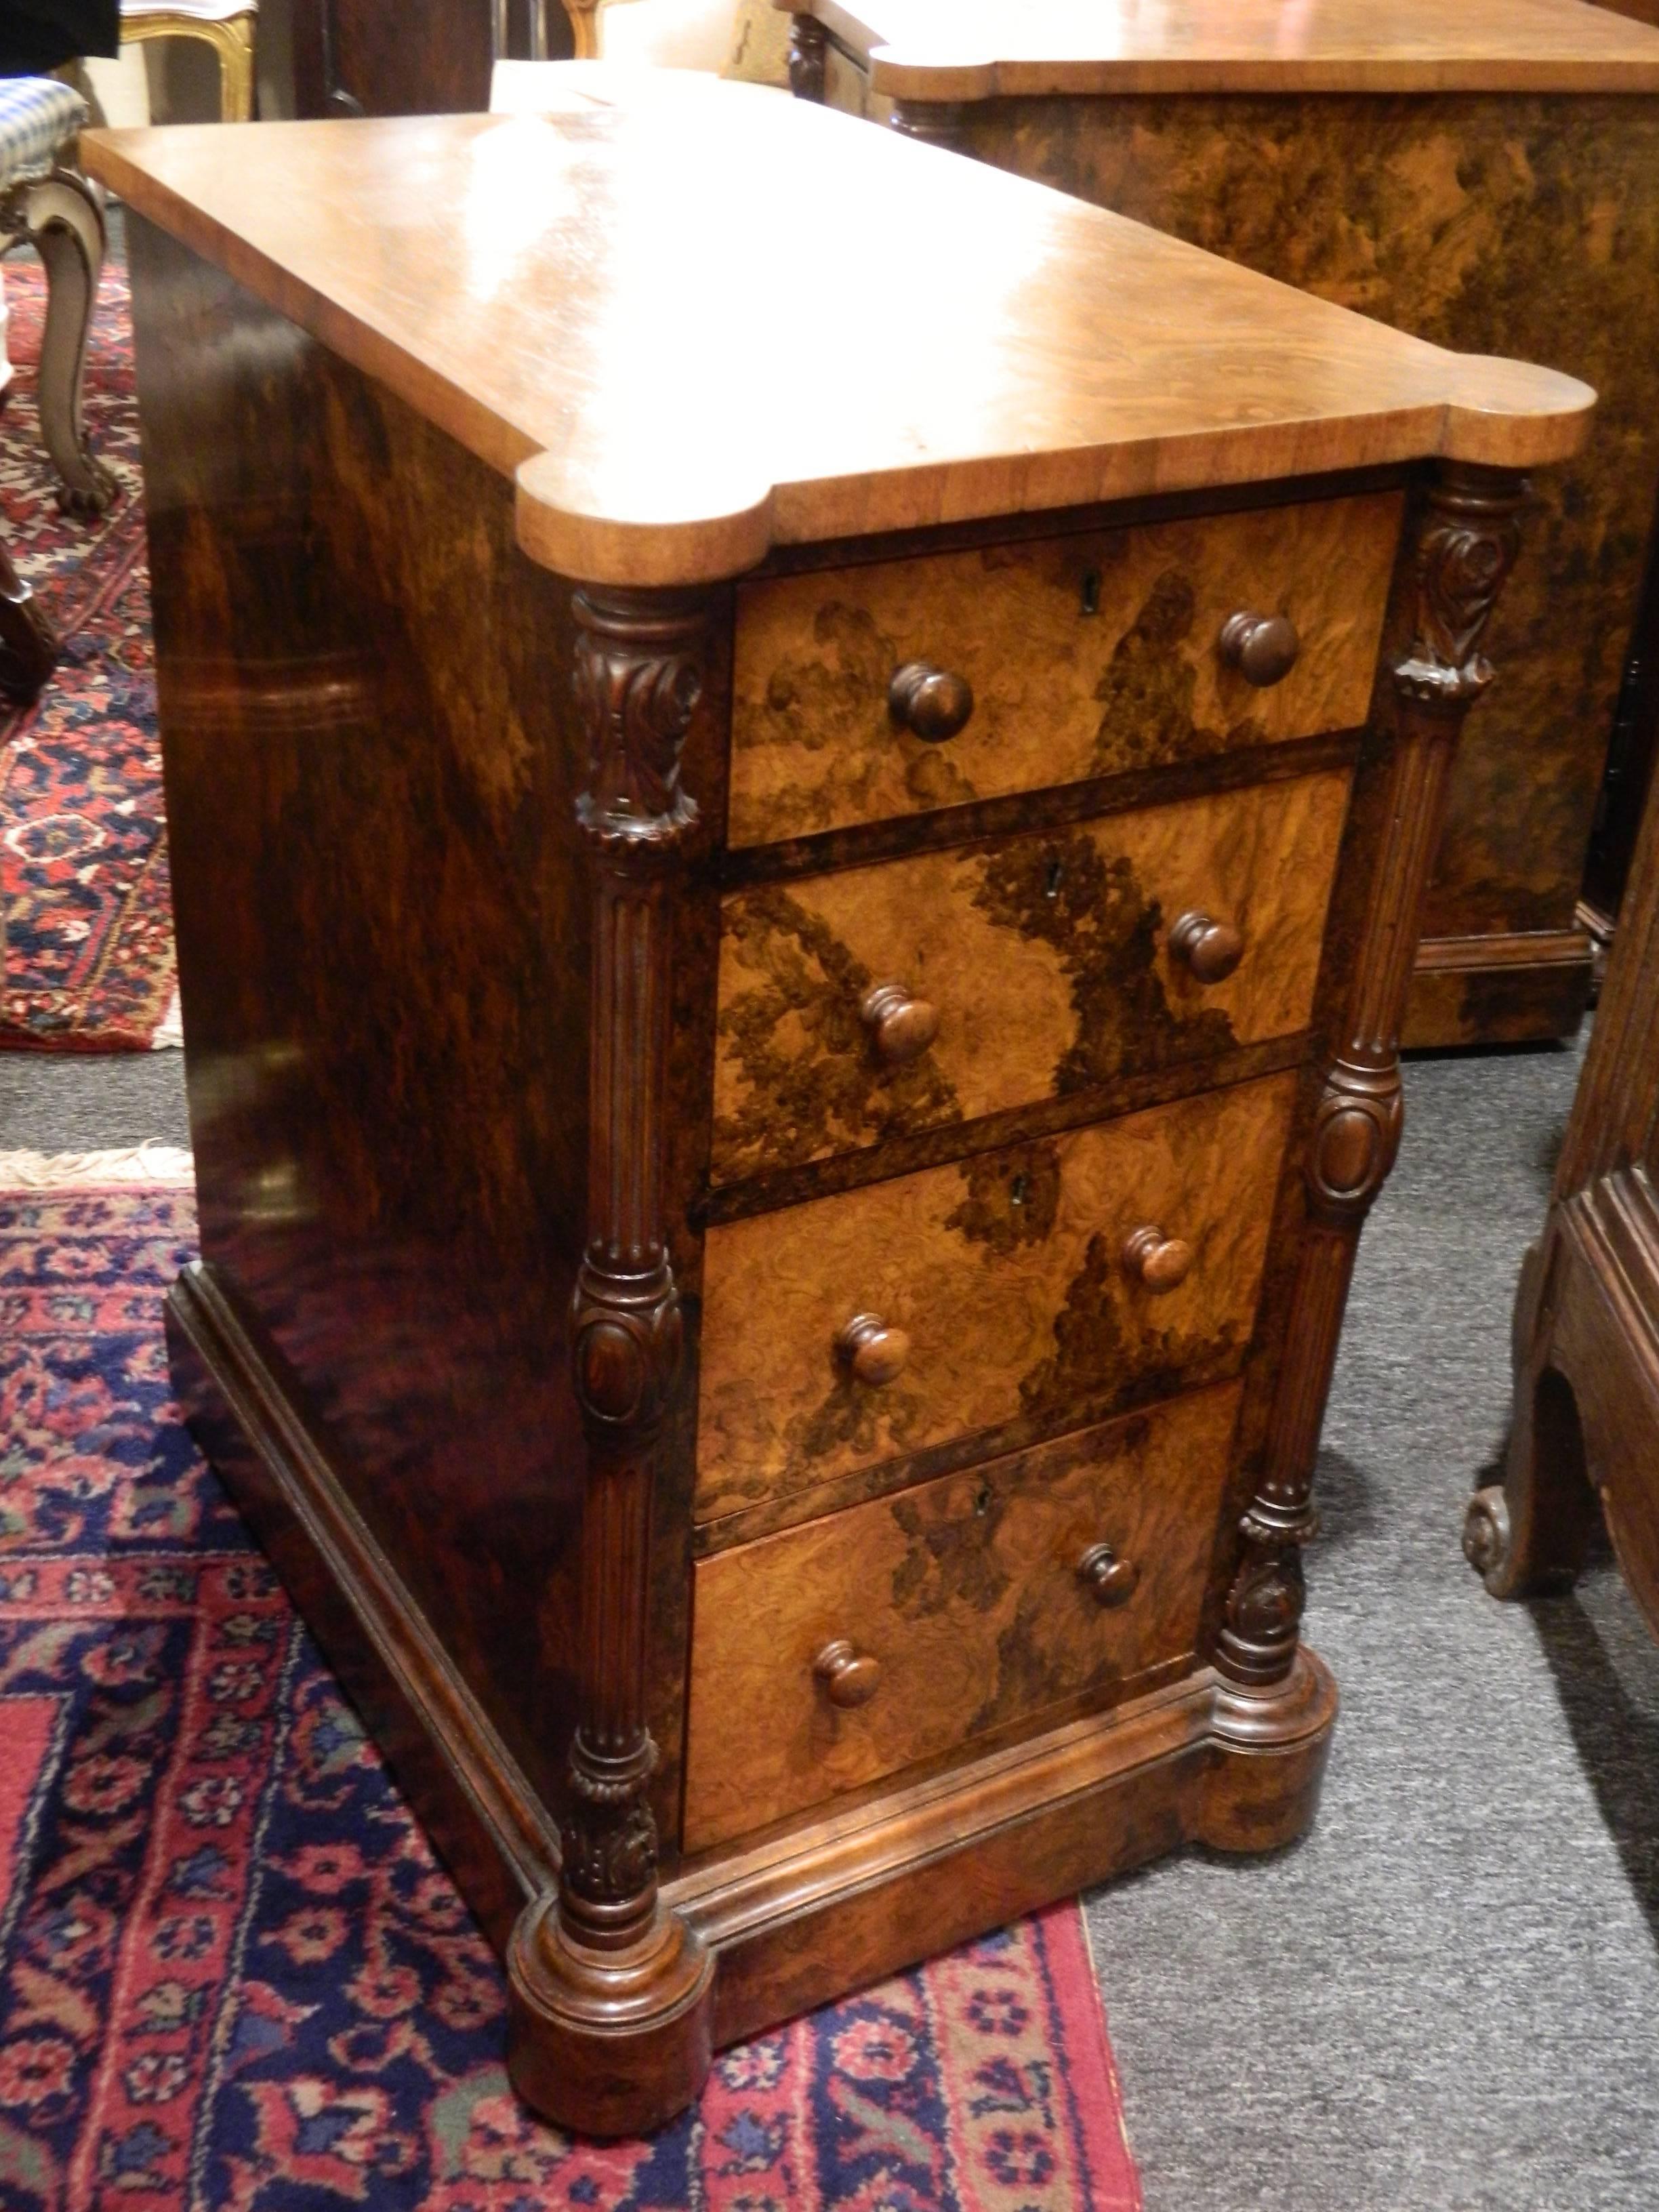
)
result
[(1006, 1273), (1046, 962), (965, 1600), (383, 932), (1087, 655)]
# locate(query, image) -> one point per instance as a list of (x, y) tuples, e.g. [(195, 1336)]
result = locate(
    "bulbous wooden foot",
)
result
[(608, 2043), (1269, 1745)]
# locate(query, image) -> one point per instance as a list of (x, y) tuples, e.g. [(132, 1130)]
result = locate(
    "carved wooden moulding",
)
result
[(785, 1074)]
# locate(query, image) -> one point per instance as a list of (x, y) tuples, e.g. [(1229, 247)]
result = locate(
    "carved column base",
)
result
[(1269, 1746), (610, 2043)]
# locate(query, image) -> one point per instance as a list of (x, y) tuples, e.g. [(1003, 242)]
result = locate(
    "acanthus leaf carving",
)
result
[(1464, 557)]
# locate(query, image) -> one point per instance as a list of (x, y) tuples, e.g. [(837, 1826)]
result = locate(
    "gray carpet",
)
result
[(1448, 1995), (67, 1101)]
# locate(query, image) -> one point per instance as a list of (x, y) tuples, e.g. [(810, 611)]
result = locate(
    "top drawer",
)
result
[(1085, 655)]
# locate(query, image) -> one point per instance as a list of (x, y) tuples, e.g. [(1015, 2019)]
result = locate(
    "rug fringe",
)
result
[(149, 1163)]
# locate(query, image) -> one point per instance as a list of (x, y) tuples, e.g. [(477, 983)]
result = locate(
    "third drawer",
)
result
[(1050, 1282)]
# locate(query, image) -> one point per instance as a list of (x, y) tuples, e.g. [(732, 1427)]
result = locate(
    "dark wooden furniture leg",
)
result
[(1468, 539), (1586, 1420)]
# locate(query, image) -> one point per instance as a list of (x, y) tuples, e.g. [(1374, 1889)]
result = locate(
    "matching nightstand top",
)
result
[(699, 319), (981, 49)]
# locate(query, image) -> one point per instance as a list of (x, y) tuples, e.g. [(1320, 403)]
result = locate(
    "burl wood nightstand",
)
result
[(795, 877), (1485, 175)]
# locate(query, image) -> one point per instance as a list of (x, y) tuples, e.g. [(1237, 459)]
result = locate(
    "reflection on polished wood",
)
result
[(1485, 175), (567, 1287), (455, 260)]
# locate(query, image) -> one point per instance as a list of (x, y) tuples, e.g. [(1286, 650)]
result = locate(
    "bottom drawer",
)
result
[(830, 1655)]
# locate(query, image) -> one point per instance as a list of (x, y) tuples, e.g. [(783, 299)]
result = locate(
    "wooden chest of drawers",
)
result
[(791, 1016), (1485, 175)]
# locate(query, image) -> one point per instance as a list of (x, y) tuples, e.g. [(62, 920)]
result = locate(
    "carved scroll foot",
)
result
[(608, 2042), (1269, 1745)]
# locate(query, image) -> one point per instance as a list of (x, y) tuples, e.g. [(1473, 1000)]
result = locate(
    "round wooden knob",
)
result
[(1156, 1262), (1112, 1580), (852, 1678), (1210, 949), (930, 702), (1261, 647), (902, 1026), (873, 1352)]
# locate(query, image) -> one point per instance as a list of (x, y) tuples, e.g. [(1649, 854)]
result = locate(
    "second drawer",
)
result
[(1057, 1280), (860, 1005)]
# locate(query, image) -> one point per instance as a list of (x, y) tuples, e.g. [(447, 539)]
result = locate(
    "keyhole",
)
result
[(1018, 1189), (1051, 888), (982, 1499), (1090, 595)]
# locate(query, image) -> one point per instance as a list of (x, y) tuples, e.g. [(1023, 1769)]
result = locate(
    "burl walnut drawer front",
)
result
[(1025, 666), (1061, 1278), (886, 1634), (863, 1004)]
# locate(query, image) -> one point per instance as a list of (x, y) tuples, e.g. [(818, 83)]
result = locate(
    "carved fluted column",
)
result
[(605, 1984), (1468, 540)]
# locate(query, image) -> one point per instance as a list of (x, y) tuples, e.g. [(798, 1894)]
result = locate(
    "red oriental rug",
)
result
[(233, 1978), (84, 871)]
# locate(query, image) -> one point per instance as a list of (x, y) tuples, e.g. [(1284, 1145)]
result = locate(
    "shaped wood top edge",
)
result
[(677, 394), (974, 50)]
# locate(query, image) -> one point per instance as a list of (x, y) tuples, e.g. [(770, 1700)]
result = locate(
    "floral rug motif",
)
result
[(233, 1978), (84, 871)]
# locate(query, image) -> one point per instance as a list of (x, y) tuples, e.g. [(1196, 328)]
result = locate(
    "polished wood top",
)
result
[(698, 325), (979, 49)]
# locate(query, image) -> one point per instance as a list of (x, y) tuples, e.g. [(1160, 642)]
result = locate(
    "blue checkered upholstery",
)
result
[(37, 114)]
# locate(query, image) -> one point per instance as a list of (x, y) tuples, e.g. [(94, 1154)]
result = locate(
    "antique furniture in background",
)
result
[(790, 1009), (1586, 1422), (48, 206), (1485, 175), (413, 56), (227, 26)]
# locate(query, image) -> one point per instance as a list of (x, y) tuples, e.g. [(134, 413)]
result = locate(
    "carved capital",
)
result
[(637, 682), (807, 42), (1464, 556), (1356, 1135)]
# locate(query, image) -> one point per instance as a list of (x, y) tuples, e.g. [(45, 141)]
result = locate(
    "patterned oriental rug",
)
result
[(233, 1978), (84, 871)]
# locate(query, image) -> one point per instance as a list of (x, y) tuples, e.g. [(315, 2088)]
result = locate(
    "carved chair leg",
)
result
[(61, 218), (28, 644), (1527, 1535)]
